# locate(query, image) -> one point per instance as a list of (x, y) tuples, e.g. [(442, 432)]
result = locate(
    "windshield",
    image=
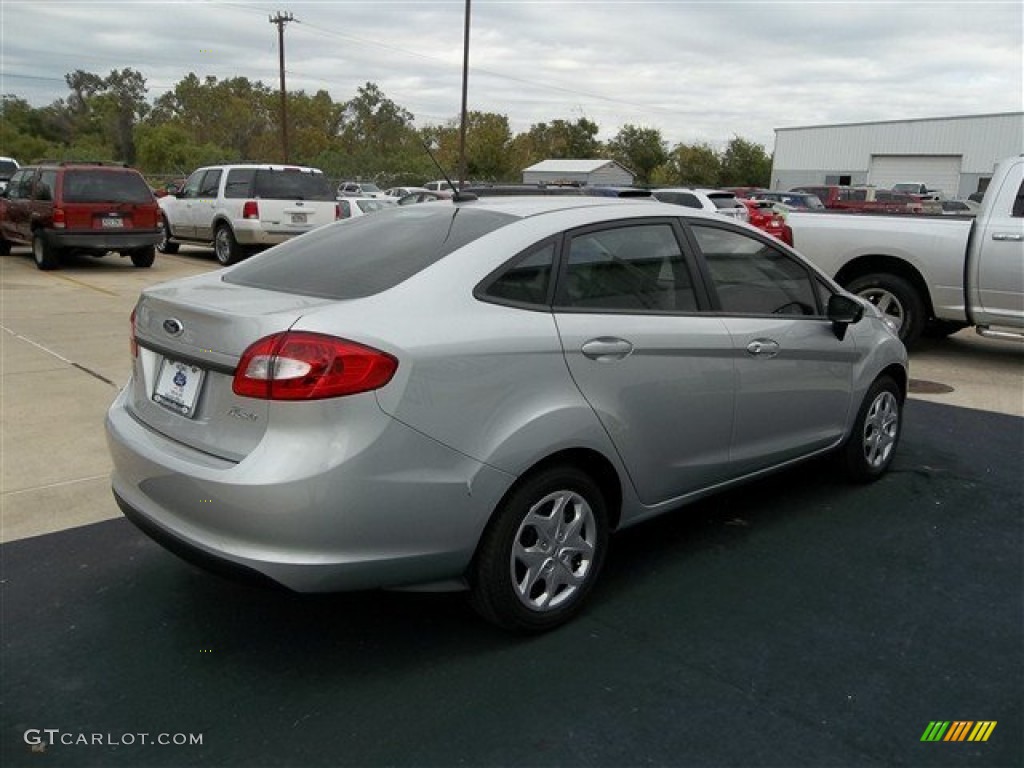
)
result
[(7, 168)]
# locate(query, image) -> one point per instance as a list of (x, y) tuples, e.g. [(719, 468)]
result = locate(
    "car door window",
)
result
[(210, 183), (752, 277), (633, 268), (191, 188), (20, 184)]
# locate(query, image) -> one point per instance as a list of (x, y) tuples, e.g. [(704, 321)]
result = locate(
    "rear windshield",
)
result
[(105, 187), (725, 201), (277, 184), (363, 256)]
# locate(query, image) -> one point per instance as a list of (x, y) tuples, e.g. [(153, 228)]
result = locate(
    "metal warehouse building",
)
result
[(953, 154), (593, 172)]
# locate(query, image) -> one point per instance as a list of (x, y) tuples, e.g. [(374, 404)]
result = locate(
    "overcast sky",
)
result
[(698, 71)]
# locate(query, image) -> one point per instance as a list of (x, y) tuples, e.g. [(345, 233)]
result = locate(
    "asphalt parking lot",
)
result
[(797, 621)]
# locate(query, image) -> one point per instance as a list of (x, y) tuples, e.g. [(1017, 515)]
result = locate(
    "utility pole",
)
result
[(281, 19), (465, 79)]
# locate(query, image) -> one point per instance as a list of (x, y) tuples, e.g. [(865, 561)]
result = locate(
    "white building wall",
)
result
[(806, 155)]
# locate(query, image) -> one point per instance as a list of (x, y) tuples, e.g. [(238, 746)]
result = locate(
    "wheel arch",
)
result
[(880, 263)]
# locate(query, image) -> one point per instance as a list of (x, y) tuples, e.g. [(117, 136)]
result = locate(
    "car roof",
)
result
[(525, 206)]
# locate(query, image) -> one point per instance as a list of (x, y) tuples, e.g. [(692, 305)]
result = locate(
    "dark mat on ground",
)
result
[(795, 622)]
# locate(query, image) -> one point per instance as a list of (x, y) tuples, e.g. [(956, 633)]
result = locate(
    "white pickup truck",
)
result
[(931, 275)]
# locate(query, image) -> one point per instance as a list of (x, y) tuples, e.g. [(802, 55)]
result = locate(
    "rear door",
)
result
[(657, 372), (200, 211), (107, 199), (17, 221), (794, 376)]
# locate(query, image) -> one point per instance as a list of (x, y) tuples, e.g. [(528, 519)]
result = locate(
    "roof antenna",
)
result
[(458, 195)]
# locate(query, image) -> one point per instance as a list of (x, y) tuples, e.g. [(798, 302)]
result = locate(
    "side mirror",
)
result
[(843, 311)]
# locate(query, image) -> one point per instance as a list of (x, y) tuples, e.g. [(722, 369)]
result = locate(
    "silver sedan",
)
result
[(475, 394)]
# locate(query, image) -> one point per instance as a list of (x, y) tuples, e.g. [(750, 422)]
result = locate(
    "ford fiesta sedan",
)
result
[(475, 394)]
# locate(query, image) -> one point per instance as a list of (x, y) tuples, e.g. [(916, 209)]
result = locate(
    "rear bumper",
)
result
[(364, 516), (105, 241)]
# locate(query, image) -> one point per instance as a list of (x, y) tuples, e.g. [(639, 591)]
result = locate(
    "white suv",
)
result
[(714, 200), (241, 209)]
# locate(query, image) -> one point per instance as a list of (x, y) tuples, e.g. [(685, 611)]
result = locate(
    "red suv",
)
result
[(75, 206)]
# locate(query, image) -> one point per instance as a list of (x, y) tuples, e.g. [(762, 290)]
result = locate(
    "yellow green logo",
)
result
[(958, 730)]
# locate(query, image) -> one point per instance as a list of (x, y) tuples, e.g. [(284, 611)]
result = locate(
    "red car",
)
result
[(763, 215)]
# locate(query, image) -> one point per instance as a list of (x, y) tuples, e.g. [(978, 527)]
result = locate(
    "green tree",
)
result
[(695, 165), (745, 163), (639, 149)]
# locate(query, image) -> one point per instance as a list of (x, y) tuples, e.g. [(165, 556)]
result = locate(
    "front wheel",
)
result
[(897, 299), (876, 433), (225, 247), (542, 552), (44, 253)]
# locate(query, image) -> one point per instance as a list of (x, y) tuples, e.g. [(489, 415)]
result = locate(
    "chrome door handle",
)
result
[(763, 348), (1007, 236), (606, 349)]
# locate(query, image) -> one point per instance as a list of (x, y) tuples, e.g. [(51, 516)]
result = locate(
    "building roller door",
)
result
[(936, 171)]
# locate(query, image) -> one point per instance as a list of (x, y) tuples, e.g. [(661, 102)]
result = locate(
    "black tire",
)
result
[(166, 245), (225, 247), (567, 555), (5, 247), (143, 257), (870, 448), (45, 254), (897, 299)]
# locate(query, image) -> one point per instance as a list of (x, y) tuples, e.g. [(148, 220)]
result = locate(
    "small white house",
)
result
[(593, 172)]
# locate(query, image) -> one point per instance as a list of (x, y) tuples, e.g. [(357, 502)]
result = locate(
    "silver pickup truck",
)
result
[(931, 275)]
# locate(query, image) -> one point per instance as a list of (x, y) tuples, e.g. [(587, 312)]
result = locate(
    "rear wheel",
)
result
[(165, 245), (143, 257), (876, 433), (45, 254), (542, 552), (225, 247)]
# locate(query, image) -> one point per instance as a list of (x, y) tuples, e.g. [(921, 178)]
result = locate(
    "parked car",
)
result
[(440, 185), (473, 395), (397, 192), (349, 207), (242, 209), (918, 189), (959, 207), (359, 189), (8, 165), (90, 208), (713, 200), (763, 215), (863, 199), (933, 275), (505, 190), (424, 196), (801, 201)]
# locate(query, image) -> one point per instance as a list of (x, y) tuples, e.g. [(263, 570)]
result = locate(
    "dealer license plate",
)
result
[(177, 386)]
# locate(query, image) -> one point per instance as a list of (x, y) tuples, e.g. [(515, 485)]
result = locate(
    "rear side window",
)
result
[(239, 183), (368, 254), (105, 187), (289, 184), (526, 280)]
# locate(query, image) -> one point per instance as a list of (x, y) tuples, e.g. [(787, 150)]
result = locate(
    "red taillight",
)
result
[(133, 344), (337, 211), (59, 218), (251, 210), (298, 365), (787, 235)]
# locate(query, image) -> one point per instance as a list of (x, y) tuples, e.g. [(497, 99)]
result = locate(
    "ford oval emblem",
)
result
[(173, 326)]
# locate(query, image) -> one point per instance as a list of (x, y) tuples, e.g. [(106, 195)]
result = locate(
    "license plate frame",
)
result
[(112, 222), (299, 218), (178, 385)]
